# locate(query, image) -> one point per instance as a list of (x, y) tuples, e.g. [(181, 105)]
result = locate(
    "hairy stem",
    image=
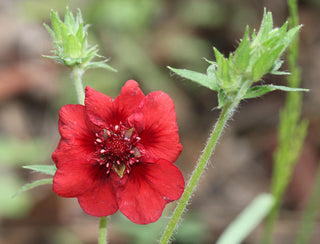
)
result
[(225, 115), (77, 73), (212, 141)]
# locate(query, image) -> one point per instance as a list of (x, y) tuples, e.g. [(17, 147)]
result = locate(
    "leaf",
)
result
[(265, 62), (199, 78), (101, 64), (69, 19), (247, 220), (52, 33), (56, 22), (209, 61), (222, 99), (46, 169), (73, 48), (34, 184), (79, 33), (211, 75), (258, 91), (242, 54)]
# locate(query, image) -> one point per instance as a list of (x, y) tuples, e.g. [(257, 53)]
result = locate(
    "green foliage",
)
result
[(255, 57), (70, 40), (248, 219), (257, 91), (46, 169), (197, 77), (34, 184)]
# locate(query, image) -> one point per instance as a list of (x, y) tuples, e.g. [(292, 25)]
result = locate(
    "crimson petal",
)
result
[(76, 139), (155, 122), (100, 201), (99, 108), (128, 101), (72, 179), (150, 186)]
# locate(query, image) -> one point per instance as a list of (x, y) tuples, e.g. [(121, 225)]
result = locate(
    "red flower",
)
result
[(119, 154)]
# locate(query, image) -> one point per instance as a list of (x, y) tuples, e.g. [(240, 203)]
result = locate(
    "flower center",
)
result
[(116, 148)]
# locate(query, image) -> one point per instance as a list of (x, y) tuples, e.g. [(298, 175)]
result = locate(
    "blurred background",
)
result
[(142, 37)]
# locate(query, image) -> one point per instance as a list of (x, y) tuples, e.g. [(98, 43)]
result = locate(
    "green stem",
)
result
[(77, 73), (103, 231), (226, 113)]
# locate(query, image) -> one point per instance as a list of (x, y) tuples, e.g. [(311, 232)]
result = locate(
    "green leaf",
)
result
[(258, 91), (73, 48), (46, 169), (56, 22), (69, 19), (219, 56), (222, 99), (101, 64), (242, 54), (34, 184), (266, 25), (52, 33), (247, 221), (79, 33), (265, 63), (211, 75), (199, 78), (209, 61)]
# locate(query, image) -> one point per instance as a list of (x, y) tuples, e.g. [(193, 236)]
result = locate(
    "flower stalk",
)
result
[(226, 113), (76, 74), (233, 78), (103, 231)]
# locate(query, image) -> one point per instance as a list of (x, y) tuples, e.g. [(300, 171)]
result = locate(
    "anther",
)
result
[(103, 151), (98, 140)]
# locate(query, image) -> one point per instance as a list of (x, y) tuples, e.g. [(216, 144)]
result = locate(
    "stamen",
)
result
[(116, 149)]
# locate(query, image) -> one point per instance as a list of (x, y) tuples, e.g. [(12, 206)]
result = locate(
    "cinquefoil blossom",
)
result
[(119, 154)]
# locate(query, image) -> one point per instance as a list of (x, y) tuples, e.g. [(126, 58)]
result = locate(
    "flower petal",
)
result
[(72, 179), (102, 111), (150, 186), (99, 108), (128, 101), (101, 200), (155, 122), (76, 139)]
